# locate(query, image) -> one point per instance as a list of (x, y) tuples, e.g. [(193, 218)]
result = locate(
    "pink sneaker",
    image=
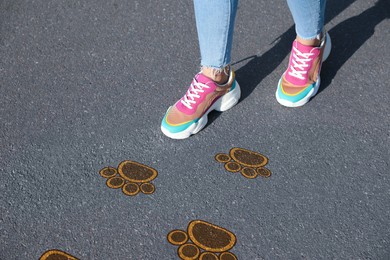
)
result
[(189, 115), (301, 80)]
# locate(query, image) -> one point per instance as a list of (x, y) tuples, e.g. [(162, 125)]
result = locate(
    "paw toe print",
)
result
[(132, 177), (203, 241), (208, 256), (250, 164), (55, 254), (108, 172)]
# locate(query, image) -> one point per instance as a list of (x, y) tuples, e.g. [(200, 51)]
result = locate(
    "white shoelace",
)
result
[(300, 61), (193, 93)]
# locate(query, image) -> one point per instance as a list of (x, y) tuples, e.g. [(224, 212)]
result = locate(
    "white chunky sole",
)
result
[(224, 103)]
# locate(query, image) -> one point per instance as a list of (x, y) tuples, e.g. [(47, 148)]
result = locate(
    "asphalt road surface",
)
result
[(85, 84)]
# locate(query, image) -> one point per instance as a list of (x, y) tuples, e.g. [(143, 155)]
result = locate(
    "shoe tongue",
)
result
[(303, 48), (201, 79)]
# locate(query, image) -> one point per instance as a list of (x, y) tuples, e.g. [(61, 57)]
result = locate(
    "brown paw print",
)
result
[(249, 163), (203, 241), (56, 255), (131, 176)]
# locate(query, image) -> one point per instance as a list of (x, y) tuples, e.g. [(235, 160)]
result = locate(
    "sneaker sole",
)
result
[(314, 91), (224, 103)]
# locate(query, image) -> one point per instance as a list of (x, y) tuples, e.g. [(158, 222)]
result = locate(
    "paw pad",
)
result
[(132, 177), (204, 241), (249, 163)]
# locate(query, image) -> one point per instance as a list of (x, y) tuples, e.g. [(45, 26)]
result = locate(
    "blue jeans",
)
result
[(215, 24)]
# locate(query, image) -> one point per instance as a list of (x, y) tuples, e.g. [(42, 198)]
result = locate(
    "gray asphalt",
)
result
[(84, 85)]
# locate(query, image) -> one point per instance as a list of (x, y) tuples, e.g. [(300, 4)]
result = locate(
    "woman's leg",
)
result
[(301, 81), (215, 24), (308, 16), (215, 88)]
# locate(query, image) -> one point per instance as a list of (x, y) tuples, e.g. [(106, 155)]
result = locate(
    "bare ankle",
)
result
[(310, 42), (219, 76)]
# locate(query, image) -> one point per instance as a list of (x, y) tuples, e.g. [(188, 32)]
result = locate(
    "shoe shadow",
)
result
[(348, 36), (251, 74)]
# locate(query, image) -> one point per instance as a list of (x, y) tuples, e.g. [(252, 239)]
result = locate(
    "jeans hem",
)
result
[(316, 36)]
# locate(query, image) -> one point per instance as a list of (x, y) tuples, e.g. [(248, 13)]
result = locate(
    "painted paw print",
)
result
[(249, 163), (131, 176), (56, 255), (209, 242)]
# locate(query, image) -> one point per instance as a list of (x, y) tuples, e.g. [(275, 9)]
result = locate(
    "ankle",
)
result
[(219, 76), (310, 42)]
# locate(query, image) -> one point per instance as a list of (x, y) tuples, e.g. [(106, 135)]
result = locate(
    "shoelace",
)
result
[(300, 63), (193, 93)]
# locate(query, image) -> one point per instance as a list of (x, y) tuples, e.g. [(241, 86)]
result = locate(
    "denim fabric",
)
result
[(308, 16), (215, 24)]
